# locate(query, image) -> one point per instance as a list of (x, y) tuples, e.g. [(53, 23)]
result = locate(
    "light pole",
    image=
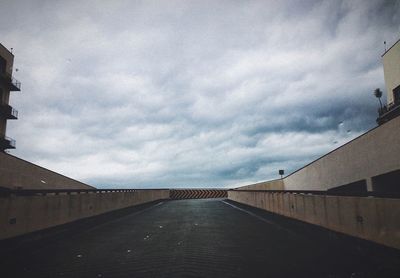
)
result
[(281, 172)]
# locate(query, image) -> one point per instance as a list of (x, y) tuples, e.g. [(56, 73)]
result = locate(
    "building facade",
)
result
[(391, 69), (16, 173), (368, 163), (7, 85)]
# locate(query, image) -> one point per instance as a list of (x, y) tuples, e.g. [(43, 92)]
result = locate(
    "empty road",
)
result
[(198, 238)]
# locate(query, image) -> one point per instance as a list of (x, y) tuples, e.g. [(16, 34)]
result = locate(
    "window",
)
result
[(354, 188), (3, 64), (389, 182), (396, 95)]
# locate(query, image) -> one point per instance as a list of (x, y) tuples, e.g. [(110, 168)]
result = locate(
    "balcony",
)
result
[(8, 112), (13, 84), (388, 112), (7, 143)]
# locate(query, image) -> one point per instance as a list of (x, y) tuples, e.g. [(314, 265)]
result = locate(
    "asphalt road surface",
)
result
[(198, 238)]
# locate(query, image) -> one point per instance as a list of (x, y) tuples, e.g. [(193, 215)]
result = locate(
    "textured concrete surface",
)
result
[(24, 214), (375, 219), (199, 238)]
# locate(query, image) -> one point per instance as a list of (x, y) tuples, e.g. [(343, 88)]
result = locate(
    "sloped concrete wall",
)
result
[(18, 173), (374, 219), (373, 153), (24, 214)]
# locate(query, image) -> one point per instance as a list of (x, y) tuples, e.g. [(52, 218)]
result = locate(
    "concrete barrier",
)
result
[(370, 218), (24, 214)]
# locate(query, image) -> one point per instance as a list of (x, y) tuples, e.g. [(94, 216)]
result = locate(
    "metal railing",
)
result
[(15, 85), (329, 193), (388, 112), (11, 141), (14, 112), (9, 111), (4, 191), (387, 108)]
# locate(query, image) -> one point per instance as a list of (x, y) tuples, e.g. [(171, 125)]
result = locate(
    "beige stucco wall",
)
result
[(374, 153), (17, 173), (391, 68), (374, 219), (266, 185), (33, 213)]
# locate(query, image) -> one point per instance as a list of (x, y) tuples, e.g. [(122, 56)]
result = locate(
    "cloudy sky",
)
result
[(192, 93)]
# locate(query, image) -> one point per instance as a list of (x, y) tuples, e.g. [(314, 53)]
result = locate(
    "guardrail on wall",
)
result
[(4, 191), (329, 193), (371, 218)]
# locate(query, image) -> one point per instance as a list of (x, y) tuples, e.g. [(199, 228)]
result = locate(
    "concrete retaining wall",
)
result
[(374, 219), (18, 173), (24, 214)]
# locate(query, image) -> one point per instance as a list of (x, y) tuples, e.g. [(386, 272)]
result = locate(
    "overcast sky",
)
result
[(192, 93)]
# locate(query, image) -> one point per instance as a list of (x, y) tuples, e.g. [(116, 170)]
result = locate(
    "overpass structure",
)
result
[(246, 233)]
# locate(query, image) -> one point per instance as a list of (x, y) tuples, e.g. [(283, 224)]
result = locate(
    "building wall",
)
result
[(367, 158), (24, 214), (266, 185), (391, 68), (9, 57), (16, 173), (374, 219), (4, 89), (373, 153)]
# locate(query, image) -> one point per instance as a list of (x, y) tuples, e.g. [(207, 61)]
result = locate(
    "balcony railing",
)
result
[(14, 84), (388, 112), (8, 112), (7, 143)]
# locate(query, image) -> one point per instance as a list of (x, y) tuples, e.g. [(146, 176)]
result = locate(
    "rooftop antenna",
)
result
[(11, 50), (385, 45)]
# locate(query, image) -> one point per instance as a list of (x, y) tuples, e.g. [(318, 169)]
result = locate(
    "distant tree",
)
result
[(378, 94)]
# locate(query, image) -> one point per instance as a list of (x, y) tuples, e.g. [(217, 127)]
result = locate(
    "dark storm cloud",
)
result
[(185, 93)]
